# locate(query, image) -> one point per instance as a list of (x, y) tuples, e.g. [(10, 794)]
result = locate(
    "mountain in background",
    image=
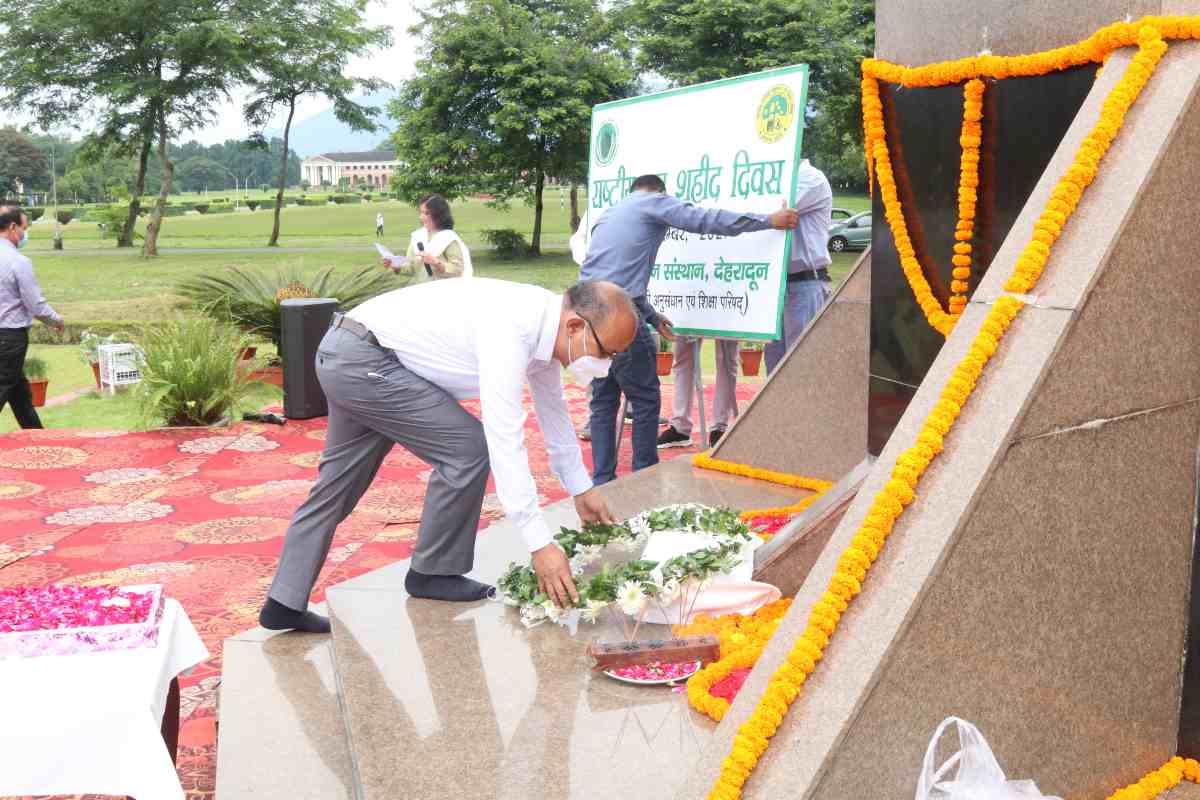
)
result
[(323, 133)]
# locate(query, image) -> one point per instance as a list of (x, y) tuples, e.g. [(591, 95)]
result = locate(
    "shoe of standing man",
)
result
[(673, 438), (714, 436)]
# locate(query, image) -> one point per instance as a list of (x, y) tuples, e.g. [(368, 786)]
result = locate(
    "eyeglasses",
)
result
[(604, 351)]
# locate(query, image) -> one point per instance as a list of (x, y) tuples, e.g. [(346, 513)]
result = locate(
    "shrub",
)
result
[(252, 205), (342, 199), (35, 368), (366, 197), (221, 208), (509, 244), (75, 331), (35, 213), (174, 211), (190, 373), (202, 207), (65, 215), (250, 298)]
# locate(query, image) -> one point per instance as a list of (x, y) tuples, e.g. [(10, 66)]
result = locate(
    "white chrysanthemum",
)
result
[(631, 599), (592, 611), (551, 611)]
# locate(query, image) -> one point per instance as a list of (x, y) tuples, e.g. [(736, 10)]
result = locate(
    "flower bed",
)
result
[(63, 620)]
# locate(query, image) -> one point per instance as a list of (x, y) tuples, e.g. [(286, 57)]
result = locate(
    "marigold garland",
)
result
[(1160, 780), (815, 485), (742, 638), (754, 735)]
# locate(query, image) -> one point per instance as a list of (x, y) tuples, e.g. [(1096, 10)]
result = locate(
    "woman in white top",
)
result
[(435, 251)]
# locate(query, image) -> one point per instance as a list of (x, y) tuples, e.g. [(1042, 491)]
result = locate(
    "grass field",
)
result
[(93, 281)]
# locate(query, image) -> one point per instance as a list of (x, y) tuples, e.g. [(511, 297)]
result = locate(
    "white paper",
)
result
[(391, 258)]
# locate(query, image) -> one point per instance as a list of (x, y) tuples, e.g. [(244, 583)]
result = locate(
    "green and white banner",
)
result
[(731, 144)]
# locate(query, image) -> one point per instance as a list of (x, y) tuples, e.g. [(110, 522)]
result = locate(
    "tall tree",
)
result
[(302, 48), (690, 41), (502, 97), (145, 68), (22, 164)]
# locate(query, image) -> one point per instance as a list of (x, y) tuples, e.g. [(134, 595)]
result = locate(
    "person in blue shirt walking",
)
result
[(624, 245)]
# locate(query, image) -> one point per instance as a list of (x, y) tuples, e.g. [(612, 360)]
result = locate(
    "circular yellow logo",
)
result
[(775, 113)]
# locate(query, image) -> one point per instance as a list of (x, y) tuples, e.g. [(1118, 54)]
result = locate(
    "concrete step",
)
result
[(281, 732)]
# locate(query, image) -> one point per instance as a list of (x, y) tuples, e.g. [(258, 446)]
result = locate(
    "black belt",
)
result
[(356, 328), (821, 274)]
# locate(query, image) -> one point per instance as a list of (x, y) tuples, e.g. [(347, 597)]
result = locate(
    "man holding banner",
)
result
[(623, 249)]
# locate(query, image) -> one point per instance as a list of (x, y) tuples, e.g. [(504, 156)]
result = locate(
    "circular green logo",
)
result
[(606, 143)]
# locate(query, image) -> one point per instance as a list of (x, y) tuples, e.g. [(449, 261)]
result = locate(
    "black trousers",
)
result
[(14, 389)]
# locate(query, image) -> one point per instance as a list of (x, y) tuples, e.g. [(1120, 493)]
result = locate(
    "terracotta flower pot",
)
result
[(664, 361), (271, 375), (248, 353), (37, 387), (751, 360), (96, 372)]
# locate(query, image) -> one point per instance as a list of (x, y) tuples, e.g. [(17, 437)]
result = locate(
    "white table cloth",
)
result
[(92, 723)]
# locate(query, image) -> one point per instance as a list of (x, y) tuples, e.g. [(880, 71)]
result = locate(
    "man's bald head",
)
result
[(604, 307)]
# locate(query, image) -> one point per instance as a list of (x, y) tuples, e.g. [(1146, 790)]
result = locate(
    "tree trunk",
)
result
[(535, 244), (574, 207), (150, 246), (283, 168), (139, 186)]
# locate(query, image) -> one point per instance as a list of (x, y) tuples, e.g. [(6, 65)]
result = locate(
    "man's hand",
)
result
[(554, 575), (666, 328), (784, 219), (590, 507), (59, 326)]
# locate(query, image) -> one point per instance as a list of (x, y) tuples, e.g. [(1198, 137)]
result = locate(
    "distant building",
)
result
[(362, 169)]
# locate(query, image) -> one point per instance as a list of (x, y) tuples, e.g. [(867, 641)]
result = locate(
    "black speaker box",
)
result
[(304, 322)]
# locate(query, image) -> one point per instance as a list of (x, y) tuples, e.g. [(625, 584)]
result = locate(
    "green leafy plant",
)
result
[(251, 299), (35, 368), (202, 208), (190, 372), (509, 244), (89, 345), (747, 347), (253, 205), (664, 344)]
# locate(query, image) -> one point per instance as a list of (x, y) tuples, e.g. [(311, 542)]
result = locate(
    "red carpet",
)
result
[(204, 514)]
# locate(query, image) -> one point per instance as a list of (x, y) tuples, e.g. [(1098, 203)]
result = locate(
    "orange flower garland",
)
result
[(968, 185), (816, 485), (742, 638), (754, 735), (1160, 780)]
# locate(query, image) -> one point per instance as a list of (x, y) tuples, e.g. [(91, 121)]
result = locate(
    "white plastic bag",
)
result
[(976, 773)]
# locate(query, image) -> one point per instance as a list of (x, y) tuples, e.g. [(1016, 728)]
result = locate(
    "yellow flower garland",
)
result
[(970, 139), (1160, 780), (742, 638), (754, 735), (816, 485)]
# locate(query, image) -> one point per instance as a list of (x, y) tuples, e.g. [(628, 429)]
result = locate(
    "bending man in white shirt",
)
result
[(393, 371)]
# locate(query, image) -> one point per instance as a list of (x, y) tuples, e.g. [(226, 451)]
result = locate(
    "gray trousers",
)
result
[(375, 402), (724, 400)]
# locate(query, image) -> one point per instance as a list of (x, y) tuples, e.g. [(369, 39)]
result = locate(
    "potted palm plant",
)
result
[(190, 373), (250, 299), (665, 357), (751, 354), (36, 374)]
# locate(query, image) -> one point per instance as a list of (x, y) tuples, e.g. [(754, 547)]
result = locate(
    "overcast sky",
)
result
[(393, 65)]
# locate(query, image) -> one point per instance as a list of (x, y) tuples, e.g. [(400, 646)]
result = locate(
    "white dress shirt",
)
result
[(814, 201), (486, 338)]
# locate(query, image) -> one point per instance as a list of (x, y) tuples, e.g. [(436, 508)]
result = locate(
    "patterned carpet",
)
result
[(204, 513)]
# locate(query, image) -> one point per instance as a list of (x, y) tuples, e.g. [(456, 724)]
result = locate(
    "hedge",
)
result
[(42, 334), (221, 208), (35, 213), (202, 207)]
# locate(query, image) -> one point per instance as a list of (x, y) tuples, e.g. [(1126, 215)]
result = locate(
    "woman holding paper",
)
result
[(434, 248)]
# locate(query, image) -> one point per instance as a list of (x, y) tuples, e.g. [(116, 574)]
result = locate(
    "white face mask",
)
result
[(587, 368)]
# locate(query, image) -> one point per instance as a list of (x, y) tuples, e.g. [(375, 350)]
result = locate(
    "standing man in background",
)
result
[(21, 302), (624, 244), (379, 225), (808, 266), (724, 408)]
